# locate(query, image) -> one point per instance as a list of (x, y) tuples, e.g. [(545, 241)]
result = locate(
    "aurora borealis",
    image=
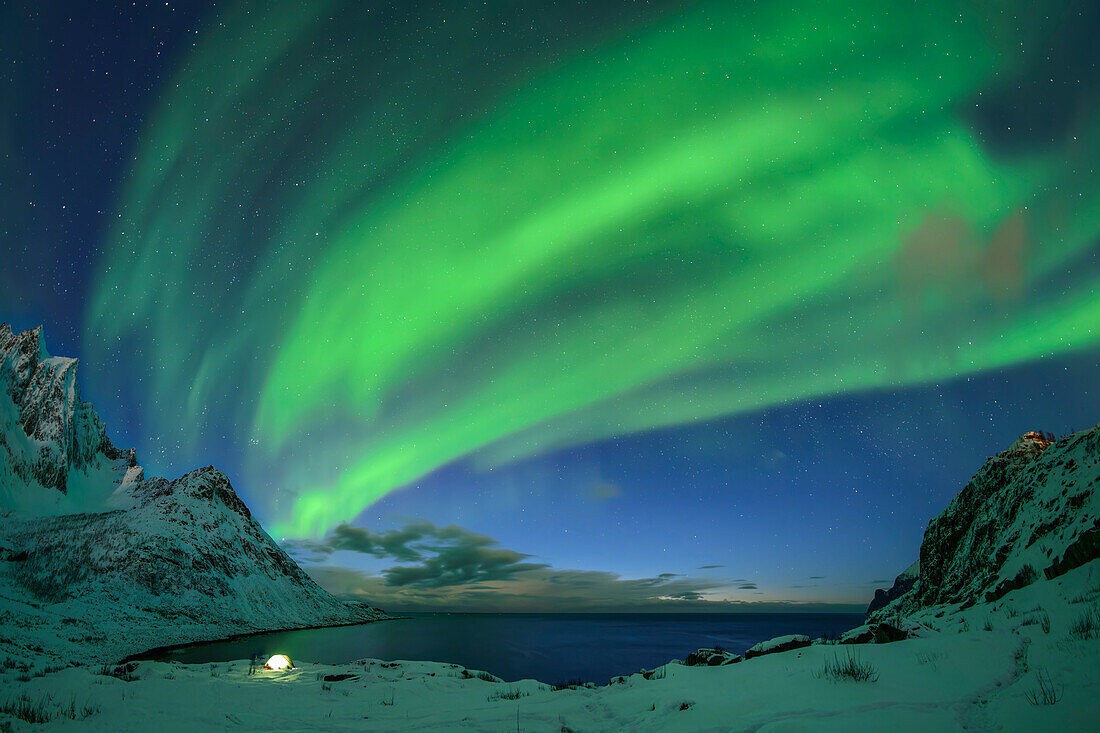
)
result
[(357, 248)]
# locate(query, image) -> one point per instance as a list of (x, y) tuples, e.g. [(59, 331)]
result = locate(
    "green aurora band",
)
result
[(385, 253)]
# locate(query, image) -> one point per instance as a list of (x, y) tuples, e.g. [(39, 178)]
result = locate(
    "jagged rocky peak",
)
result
[(48, 432), (1031, 442), (204, 484), (21, 354), (1031, 510)]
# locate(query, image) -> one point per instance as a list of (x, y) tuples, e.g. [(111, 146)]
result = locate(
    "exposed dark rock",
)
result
[(860, 635), (10, 555), (877, 633), (778, 644), (886, 633), (711, 658), (1026, 576), (1085, 548), (902, 585)]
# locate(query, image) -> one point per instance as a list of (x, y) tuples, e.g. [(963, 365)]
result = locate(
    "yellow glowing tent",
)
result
[(279, 661)]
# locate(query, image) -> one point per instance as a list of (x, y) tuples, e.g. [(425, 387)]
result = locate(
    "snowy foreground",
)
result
[(982, 668)]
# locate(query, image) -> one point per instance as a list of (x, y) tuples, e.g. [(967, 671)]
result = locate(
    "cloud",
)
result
[(551, 590), (709, 567), (447, 555), (817, 577), (461, 565), (454, 569)]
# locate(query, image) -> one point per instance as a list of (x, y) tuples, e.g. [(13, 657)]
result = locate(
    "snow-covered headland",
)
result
[(995, 627)]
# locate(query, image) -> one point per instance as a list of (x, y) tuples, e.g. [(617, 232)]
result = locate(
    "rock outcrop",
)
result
[(778, 644), (902, 585), (711, 658)]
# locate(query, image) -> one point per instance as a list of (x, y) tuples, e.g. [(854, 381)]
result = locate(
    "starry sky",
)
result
[(565, 306)]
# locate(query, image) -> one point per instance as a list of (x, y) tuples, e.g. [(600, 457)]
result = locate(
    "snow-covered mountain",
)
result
[(100, 561), (1030, 512)]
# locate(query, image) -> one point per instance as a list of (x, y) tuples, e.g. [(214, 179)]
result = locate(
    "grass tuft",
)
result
[(929, 658), (850, 668), (1085, 626), (44, 709), (509, 694), (1047, 693), (124, 672)]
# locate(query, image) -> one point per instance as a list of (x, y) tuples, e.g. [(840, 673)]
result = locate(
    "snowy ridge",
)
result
[(1031, 511), (92, 546)]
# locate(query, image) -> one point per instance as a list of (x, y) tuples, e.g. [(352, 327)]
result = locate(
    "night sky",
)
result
[(572, 306)]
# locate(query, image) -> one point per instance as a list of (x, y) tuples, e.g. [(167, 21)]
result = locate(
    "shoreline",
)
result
[(216, 650), (145, 656)]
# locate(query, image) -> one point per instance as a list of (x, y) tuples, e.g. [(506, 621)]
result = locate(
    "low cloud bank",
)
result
[(451, 568)]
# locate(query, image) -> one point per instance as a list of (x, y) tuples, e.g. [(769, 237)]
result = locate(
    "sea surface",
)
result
[(591, 647)]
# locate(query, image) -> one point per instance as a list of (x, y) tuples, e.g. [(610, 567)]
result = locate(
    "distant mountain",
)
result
[(1030, 512), (98, 559)]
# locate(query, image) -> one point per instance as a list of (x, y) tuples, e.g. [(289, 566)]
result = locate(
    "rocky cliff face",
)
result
[(87, 540), (902, 585), (50, 438), (1030, 511)]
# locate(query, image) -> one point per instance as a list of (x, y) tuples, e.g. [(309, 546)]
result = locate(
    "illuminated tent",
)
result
[(279, 661)]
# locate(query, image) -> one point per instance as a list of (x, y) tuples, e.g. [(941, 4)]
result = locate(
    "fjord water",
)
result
[(592, 647)]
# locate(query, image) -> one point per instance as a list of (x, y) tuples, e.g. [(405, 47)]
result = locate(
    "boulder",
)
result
[(711, 658), (778, 644)]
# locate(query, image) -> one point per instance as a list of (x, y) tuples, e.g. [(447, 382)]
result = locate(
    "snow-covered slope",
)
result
[(100, 561), (1030, 512)]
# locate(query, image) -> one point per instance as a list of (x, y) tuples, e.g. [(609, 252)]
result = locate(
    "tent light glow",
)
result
[(279, 661)]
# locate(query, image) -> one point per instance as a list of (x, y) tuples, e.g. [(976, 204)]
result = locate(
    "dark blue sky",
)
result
[(816, 500)]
